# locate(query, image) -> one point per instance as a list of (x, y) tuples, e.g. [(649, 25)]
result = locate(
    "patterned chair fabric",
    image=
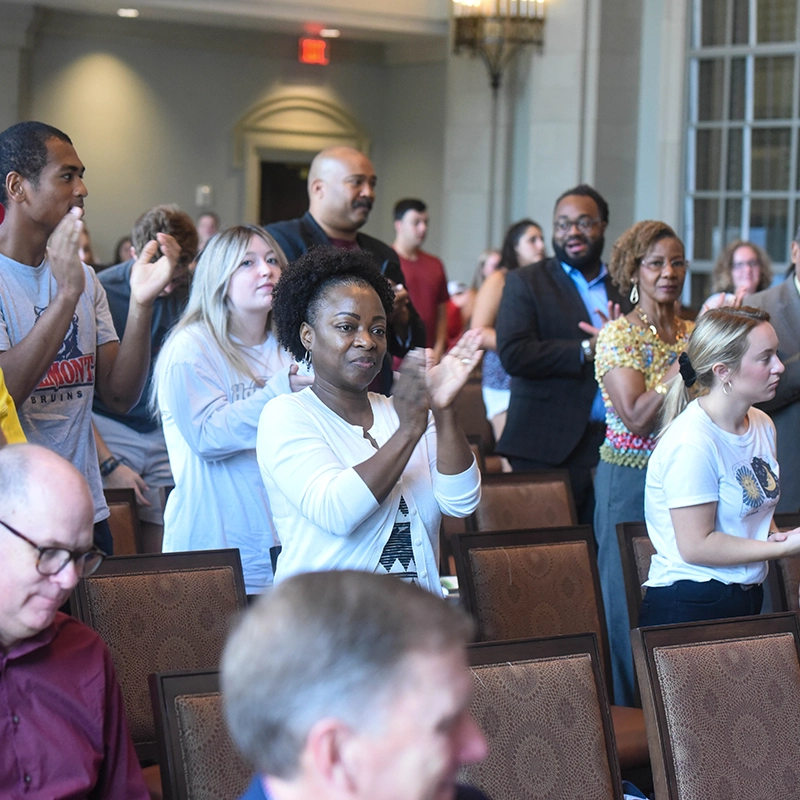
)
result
[(545, 732), (159, 621), (643, 551), (789, 582)]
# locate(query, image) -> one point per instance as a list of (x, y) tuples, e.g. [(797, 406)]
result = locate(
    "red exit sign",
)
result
[(313, 51)]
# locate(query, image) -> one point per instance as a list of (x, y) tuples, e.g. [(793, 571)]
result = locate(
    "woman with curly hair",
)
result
[(713, 481), (636, 357), (357, 480), (215, 373), (742, 268)]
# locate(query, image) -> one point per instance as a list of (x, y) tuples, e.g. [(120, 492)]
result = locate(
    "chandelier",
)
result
[(495, 29)]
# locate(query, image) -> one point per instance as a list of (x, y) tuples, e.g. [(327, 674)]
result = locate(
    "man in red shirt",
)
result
[(426, 280), (62, 723)]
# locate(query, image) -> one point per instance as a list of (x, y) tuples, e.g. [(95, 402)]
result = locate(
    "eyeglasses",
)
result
[(585, 224), (53, 559), (752, 263), (658, 264)]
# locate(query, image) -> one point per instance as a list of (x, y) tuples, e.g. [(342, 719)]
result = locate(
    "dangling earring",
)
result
[(306, 362), (727, 387), (634, 292)]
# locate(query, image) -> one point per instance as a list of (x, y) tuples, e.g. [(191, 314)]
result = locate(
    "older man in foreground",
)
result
[(62, 724), (352, 685)]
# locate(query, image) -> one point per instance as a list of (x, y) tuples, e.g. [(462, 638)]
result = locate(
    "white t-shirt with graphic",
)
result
[(58, 414), (696, 462), (210, 415)]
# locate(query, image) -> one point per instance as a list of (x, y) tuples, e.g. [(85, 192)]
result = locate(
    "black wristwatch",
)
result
[(108, 466), (588, 353)]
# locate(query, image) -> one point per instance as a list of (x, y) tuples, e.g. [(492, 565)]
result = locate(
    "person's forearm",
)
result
[(381, 472), (719, 549), (103, 453), (453, 453), (26, 363)]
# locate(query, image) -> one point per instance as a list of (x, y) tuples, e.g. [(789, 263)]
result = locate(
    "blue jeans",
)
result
[(695, 601)]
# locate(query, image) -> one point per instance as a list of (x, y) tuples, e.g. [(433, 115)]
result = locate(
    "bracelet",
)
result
[(108, 466), (661, 388)]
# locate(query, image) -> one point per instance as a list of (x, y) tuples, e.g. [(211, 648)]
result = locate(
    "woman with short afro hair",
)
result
[(357, 480)]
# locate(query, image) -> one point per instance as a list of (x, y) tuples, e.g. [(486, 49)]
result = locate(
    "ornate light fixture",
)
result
[(495, 29)]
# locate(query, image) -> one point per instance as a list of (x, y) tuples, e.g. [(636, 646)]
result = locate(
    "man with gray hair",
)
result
[(352, 685)]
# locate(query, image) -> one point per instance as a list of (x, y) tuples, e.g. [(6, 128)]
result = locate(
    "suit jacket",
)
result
[(296, 236), (783, 304), (256, 792), (538, 340)]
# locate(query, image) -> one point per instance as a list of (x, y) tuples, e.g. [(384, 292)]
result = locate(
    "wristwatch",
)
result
[(588, 353)]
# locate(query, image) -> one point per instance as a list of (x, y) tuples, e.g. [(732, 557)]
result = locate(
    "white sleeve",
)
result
[(106, 332), (293, 450), (690, 474), (214, 427)]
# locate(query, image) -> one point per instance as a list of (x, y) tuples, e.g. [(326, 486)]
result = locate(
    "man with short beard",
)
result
[(341, 193), (547, 327)]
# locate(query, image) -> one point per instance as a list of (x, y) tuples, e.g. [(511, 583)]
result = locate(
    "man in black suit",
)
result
[(341, 192), (547, 327)]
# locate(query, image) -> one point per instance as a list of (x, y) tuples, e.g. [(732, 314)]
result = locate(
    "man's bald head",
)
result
[(341, 190)]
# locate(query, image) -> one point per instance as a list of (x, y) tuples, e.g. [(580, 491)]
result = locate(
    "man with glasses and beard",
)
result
[(547, 327), (62, 722), (341, 193)]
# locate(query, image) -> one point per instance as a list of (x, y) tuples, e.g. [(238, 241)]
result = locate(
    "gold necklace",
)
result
[(679, 324)]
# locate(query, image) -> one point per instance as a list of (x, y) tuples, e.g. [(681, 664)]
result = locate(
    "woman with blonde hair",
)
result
[(742, 268), (635, 358), (214, 375), (713, 480)]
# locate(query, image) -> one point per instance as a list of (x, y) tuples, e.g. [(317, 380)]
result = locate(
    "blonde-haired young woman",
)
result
[(216, 372), (713, 480)]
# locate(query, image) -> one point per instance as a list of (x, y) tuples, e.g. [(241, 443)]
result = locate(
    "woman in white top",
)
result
[(713, 481), (357, 480), (214, 375)]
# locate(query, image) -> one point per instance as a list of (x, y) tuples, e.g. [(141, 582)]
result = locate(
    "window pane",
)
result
[(733, 221), (772, 91), (706, 230), (713, 24), (735, 159), (738, 88), (741, 21), (769, 226), (770, 158), (709, 99), (707, 159), (776, 20)]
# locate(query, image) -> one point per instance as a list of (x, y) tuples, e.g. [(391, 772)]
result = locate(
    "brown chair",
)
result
[(160, 612), (199, 760), (722, 705), (124, 521), (471, 413), (784, 573), (636, 550), (543, 707), (524, 500), (543, 582)]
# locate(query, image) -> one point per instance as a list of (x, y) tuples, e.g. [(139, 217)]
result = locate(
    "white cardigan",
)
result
[(325, 515)]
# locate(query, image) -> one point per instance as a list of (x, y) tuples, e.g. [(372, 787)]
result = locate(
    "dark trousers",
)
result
[(102, 537), (695, 601), (580, 463)]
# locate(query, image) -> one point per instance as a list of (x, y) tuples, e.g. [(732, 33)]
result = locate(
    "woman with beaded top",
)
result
[(637, 355)]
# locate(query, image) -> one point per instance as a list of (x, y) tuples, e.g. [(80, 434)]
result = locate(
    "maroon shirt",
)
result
[(63, 732), (427, 287)]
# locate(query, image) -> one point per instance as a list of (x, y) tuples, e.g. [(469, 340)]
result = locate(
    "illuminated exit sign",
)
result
[(313, 51)]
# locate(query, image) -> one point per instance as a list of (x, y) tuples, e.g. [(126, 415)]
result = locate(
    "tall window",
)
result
[(743, 171)]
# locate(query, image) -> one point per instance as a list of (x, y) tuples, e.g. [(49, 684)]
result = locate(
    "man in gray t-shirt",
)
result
[(57, 339)]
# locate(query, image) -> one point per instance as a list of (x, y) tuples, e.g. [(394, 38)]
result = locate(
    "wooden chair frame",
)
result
[(627, 532), (127, 497)]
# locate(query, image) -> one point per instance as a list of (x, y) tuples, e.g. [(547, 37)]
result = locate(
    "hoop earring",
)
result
[(306, 362), (727, 387), (634, 296)]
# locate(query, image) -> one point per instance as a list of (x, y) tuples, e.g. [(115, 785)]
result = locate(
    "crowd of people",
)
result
[(294, 389)]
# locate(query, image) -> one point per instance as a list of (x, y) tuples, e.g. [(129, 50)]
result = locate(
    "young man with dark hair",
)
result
[(57, 338)]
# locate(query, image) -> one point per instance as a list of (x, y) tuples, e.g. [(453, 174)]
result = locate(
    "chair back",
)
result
[(784, 573), (543, 707), (199, 760), (523, 500), (635, 550), (124, 521), (722, 706), (523, 584), (160, 612)]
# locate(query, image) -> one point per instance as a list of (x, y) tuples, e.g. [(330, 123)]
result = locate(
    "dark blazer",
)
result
[(256, 792), (296, 236), (538, 340), (783, 304)]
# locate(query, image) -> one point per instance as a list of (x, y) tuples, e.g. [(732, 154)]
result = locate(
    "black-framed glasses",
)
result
[(53, 559), (585, 224)]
